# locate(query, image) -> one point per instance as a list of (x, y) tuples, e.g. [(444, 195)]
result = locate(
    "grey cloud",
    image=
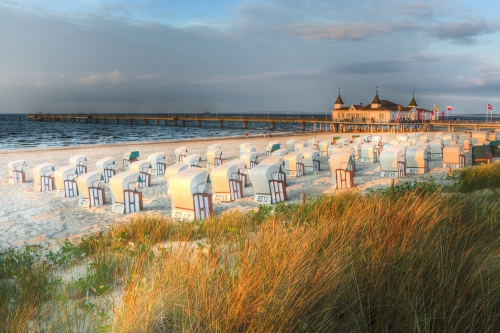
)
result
[(463, 32)]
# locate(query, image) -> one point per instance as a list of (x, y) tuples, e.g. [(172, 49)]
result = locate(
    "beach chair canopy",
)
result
[(15, 166), (481, 136), (279, 152), (323, 146), (260, 176), (389, 159), (214, 146), (123, 181), (192, 160), (90, 179), (447, 136), (180, 152), (130, 155), (438, 135), (416, 157), (78, 160), (290, 144), (65, 173), (402, 137), (247, 147), (436, 146), (367, 138), (313, 142), (42, 170), (275, 160), (186, 183), (273, 145), (220, 176), (155, 159), (339, 160), (299, 146), (368, 150), (424, 138), (140, 166), (249, 157), (173, 169), (451, 154), (212, 155), (376, 138), (309, 156), (481, 151), (239, 162), (333, 149), (105, 163), (291, 160)]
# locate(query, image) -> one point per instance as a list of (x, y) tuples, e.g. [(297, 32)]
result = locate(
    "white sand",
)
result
[(29, 217)]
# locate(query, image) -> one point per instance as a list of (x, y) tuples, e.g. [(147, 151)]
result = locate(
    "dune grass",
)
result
[(477, 177), (409, 259)]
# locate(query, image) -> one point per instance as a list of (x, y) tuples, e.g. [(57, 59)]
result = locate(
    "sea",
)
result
[(16, 132)]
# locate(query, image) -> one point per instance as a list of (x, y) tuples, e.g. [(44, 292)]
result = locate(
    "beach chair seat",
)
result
[(268, 188), (80, 163), (158, 165), (106, 167), (125, 196), (144, 170), (129, 158), (91, 194), (16, 173), (436, 149), (188, 197), (65, 180), (43, 177)]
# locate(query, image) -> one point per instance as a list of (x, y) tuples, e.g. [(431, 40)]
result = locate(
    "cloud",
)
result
[(463, 32), (486, 76), (112, 77), (301, 73)]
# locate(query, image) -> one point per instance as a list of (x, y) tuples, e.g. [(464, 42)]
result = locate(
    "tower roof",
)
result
[(413, 103), (376, 100), (339, 100)]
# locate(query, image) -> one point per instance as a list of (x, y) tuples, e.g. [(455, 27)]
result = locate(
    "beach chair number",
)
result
[(265, 199), (389, 174), (291, 173), (180, 216), (222, 197), (412, 170), (436, 155)]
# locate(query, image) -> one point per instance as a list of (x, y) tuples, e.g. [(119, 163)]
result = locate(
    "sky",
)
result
[(246, 56)]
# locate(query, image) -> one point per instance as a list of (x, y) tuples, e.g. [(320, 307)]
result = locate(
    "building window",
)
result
[(381, 116)]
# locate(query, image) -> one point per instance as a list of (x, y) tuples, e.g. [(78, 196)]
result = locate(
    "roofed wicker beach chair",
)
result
[(272, 146), (367, 138), (180, 153), (125, 197), (436, 149), (267, 187), (311, 160), (250, 159), (16, 172), (214, 158), (129, 158), (417, 160), (481, 154), (279, 161), (438, 135), (106, 166), (424, 138), (65, 179), (299, 146), (43, 177), (280, 152), (226, 185), (392, 162), (368, 153), (323, 147), (214, 146), (402, 137), (290, 144), (293, 164), (144, 170), (172, 170), (189, 200), (158, 163), (480, 137), (91, 194), (247, 148), (241, 175), (453, 156), (192, 160), (466, 141), (342, 167), (313, 143), (80, 163), (337, 140)]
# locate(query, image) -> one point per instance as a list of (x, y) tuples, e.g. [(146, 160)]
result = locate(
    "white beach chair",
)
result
[(16, 173), (214, 146), (241, 176), (438, 135), (272, 146), (158, 165), (299, 146), (189, 200), (333, 149), (180, 153), (129, 158), (290, 144), (144, 170), (453, 156), (417, 160), (392, 163), (424, 138), (214, 158), (436, 149), (466, 141), (313, 143), (323, 147), (192, 160), (356, 148), (43, 177), (480, 137), (172, 170), (279, 152), (65, 179), (226, 185), (80, 163), (293, 164), (106, 167), (342, 142), (310, 160), (357, 140), (368, 153), (125, 197), (342, 168), (267, 187), (367, 138), (91, 193), (279, 161), (247, 147), (250, 159)]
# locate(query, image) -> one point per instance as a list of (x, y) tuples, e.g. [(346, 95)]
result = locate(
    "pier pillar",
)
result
[(199, 123), (130, 121), (184, 123), (314, 128), (272, 125), (220, 123), (116, 120), (157, 122), (303, 127), (245, 123), (145, 121), (175, 122), (105, 120), (166, 122), (72, 120), (449, 128)]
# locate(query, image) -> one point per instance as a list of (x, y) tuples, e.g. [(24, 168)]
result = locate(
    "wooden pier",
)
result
[(320, 124)]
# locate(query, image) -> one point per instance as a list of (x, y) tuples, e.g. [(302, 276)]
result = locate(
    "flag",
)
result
[(442, 115), (419, 114), (399, 107), (449, 108), (489, 106), (24, 164), (436, 108)]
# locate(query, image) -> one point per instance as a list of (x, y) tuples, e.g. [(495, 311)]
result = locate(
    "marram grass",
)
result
[(408, 260)]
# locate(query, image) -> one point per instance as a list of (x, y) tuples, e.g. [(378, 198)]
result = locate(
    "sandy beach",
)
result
[(31, 217)]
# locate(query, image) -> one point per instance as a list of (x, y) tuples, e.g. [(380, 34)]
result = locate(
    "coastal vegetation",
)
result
[(417, 257)]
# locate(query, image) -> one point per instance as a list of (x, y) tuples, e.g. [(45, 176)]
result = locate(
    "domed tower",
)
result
[(338, 103), (413, 104)]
